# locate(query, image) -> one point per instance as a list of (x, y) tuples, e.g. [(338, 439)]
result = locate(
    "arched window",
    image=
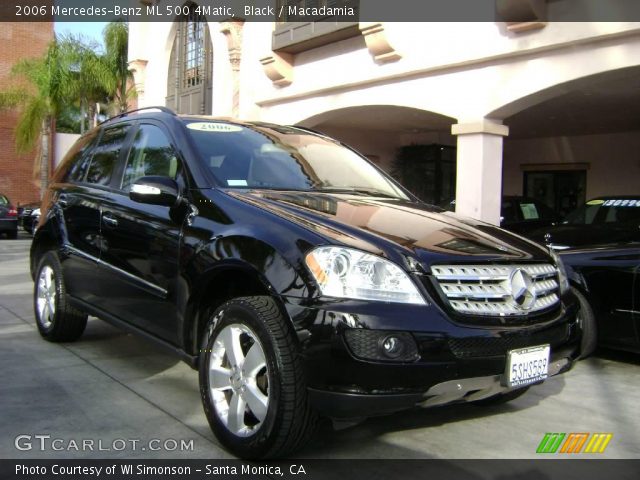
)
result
[(189, 80)]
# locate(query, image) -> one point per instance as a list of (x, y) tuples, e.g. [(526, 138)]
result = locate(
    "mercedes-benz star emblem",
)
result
[(522, 289)]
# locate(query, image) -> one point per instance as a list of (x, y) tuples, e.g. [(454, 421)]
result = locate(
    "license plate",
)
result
[(527, 365)]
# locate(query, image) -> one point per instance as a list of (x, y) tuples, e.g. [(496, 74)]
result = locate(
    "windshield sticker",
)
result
[(237, 183), (622, 203), (214, 127), (595, 202)]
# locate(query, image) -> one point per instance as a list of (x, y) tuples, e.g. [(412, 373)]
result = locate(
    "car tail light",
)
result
[(12, 211)]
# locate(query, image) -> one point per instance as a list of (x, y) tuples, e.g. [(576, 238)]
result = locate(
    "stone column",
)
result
[(479, 169), (139, 70), (232, 30)]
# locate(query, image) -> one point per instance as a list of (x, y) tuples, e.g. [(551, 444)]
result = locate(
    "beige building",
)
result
[(474, 111)]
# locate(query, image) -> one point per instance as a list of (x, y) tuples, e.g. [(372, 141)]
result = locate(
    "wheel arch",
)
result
[(227, 280), (44, 240)]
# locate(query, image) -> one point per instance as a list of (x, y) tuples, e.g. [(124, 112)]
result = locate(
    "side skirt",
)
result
[(191, 360)]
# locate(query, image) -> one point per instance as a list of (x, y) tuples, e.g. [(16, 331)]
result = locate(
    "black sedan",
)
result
[(8, 218), (610, 219), (606, 280)]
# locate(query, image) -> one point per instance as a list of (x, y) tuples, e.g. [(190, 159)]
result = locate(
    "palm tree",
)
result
[(93, 78), (68, 73), (48, 88), (116, 40)]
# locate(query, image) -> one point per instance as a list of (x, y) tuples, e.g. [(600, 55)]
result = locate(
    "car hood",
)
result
[(573, 236), (380, 225)]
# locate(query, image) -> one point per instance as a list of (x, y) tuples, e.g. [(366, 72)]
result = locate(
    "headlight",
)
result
[(347, 273), (562, 273)]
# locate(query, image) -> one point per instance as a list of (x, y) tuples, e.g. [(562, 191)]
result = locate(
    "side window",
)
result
[(150, 154), (105, 155), (75, 165)]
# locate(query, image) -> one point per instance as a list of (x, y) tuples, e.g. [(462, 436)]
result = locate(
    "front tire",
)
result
[(251, 381), (587, 323), (57, 320)]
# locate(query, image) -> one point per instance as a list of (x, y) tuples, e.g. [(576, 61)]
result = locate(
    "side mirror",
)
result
[(154, 190)]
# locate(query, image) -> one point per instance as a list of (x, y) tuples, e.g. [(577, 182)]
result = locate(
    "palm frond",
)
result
[(29, 125)]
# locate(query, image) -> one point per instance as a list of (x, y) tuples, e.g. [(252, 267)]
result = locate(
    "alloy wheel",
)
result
[(238, 379)]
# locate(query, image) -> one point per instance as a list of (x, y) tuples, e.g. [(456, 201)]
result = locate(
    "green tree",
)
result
[(93, 78), (71, 72), (46, 85), (116, 41)]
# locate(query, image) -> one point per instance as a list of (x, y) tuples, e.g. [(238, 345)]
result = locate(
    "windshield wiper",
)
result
[(356, 191)]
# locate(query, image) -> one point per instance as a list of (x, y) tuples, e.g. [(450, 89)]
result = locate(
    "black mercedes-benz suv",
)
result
[(296, 276)]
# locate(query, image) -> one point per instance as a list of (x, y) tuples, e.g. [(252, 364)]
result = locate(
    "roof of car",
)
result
[(159, 111)]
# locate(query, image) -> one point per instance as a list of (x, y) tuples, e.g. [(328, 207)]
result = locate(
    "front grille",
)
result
[(494, 346), (498, 290)]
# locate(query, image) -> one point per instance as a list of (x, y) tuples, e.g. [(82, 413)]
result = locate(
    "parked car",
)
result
[(607, 283), (8, 218), (602, 220), (296, 276), (522, 214), (29, 216)]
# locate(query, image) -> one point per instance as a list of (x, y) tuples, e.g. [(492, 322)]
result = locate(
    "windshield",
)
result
[(606, 211), (285, 158)]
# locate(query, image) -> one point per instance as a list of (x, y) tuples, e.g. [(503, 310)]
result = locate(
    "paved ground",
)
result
[(113, 388)]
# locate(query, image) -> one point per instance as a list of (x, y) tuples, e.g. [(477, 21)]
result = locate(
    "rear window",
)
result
[(74, 166), (4, 200)]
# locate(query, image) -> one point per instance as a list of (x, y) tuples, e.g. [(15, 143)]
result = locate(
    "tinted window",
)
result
[(76, 161), (284, 158), (547, 213), (599, 211), (151, 154), (509, 213), (105, 155)]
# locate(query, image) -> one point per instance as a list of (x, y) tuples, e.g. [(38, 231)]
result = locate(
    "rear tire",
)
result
[(12, 235), (57, 320), (587, 323), (251, 381)]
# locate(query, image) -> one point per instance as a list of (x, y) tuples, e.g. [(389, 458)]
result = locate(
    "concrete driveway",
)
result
[(123, 398)]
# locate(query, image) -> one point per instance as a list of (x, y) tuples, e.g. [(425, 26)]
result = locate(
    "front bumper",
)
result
[(454, 362), (350, 406)]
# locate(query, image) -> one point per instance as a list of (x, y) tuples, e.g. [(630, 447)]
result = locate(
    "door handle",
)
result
[(110, 220)]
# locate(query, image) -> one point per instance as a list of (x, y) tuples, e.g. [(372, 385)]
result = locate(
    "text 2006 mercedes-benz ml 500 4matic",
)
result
[(298, 278)]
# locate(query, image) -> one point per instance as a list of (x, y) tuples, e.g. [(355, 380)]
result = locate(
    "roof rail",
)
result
[(124, 114), (307, 129)]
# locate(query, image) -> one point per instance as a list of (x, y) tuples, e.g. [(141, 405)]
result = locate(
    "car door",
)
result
[(77, 207), (610, 279), (139, 260)]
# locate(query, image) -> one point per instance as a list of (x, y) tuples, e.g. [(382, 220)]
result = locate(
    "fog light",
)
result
[(382, 346), (391, 346)]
